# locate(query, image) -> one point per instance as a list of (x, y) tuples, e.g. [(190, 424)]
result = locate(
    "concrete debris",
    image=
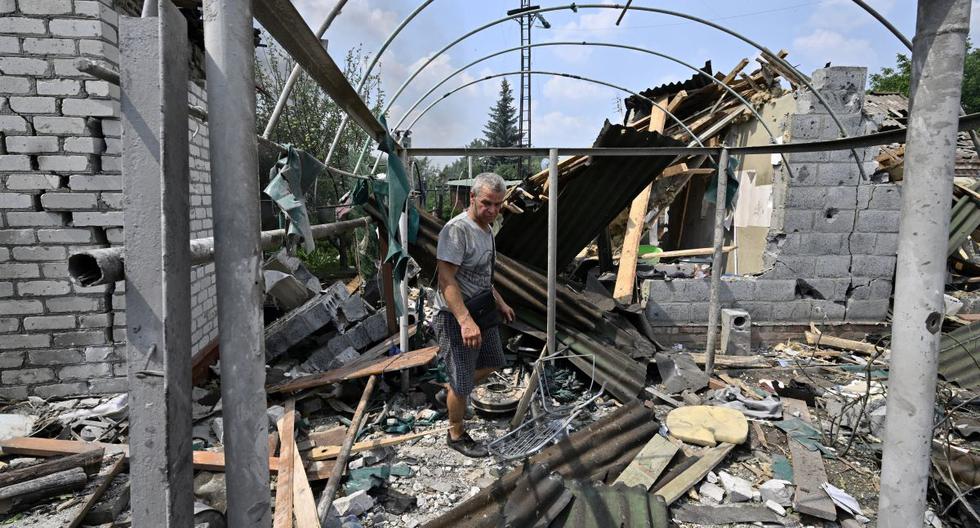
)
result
[(15, 425), (776, 507), (712, 491), (354, 504), (738, 489), (679, 372), (778, 491)]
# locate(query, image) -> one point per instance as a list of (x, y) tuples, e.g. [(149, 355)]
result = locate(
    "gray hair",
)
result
[(490, 181)]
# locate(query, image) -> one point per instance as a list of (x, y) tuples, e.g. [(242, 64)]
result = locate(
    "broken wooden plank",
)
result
[(45, 447), (808, 470), (414, 358), (678, 486), (726, 514), (114, 469), (25, 494), (304, 505), (322, 453), (89, 460), (815, 337), (319, 469), (331, 437), (284, 484), (687, 252), (649, 463)]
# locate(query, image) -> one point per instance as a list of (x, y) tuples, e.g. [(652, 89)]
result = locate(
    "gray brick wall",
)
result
[(831, 248), (61, 191)]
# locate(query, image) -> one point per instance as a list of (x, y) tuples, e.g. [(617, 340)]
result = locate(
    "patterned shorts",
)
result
[(462, 361)]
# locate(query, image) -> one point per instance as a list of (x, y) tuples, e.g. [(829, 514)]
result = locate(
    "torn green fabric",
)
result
[(290, 178), (731, 187)]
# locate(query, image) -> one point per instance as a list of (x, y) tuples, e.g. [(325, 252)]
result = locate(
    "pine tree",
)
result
[(501, 130)]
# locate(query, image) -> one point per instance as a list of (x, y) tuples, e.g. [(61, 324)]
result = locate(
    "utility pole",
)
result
[(524, 97)]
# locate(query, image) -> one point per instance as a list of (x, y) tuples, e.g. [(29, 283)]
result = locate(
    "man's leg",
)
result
[(482, 374), (457, 411)]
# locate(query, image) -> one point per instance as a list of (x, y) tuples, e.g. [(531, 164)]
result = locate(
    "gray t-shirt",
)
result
[(464, 243)]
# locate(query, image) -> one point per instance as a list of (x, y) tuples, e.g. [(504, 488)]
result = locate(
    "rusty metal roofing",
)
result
[(959, 357), (529, 496), (589, 198)]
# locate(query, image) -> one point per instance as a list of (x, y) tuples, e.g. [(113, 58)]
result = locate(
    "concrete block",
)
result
[(820, 244), (880, 289), (849, 78), (49, 322), (835, 174), (874, 266), (795, 311), (874, 221), (886, 244), (376, 327), (666, 312), (833, 266), (774, 290), (736, 332), (840, 101), (803, 174), (679, 372), (834, 220), (758, 311), (806, 126), (303, 321), (827, 311), (353, 310), (816, 289), (738, 288), (739, 489), (358, 337), (870, 310), (797, 220)]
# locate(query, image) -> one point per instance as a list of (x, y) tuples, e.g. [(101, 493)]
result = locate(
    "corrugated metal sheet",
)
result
[(599, 506), (893, 106), (964, 220), (588, 200), (959, 357), (598, 452), (641, 107)]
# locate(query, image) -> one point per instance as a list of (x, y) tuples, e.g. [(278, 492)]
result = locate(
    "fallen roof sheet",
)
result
[(599, 506), (959, 359), (589, 198), (642, 106)]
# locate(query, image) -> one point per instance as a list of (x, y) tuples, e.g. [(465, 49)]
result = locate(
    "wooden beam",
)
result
[(415, 358), (24, 494), (284, 484), (323, 453), (89, 460), (733, 361), (45, 447), (815, 337), (304, 505), (626, 275), (687, 252), (679, 485), (99, 490), (649, 463), (735, 71), (808, 470)]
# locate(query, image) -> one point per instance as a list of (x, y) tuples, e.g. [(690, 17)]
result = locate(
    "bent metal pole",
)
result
[(229, 62), (721, 196), (937, 75)]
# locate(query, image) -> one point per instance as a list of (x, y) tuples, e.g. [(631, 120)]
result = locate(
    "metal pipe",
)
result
[(677, 120), (150, 9), (367, 74), (230, 61), (974, 138), (937, 76), (721, 197), (552, 246), (95, 267), (297, 70)]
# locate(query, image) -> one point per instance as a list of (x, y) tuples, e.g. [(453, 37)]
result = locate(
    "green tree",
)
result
[(501, 131), (897, 78)]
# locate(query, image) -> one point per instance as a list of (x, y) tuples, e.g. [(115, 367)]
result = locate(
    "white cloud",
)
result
[(561, 129), (568, 89), (845, 15), (588, 26), (823, 45), (975, 22), (376, 22)]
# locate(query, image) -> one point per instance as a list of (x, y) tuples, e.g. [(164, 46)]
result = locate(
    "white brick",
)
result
[(45, 7), (66, 68), (35, 181), (112, 128), (23, 219), (99, 49), (19, 271), (40, 253), (93, 9), (21, 26), (9, 324), (13, 237), (16, 201), (15, 163), (74, 304), (7, 6), (89, 107), (24, 341), (64, 236), (68, 201), (12, 123), (6, 288), (14, 85), (111, 164), (85, 145), (9, 44), (102, 89), (20, 306), (45, 46), (88, 370), (95, 182), (114, 218), (93, 321), (63, 163), (23, 65), (43, 288), (59, 87), (32, 105), (113, 200), (60, 125), (113, 146), (31, 144), (74, 27), (27, 376), (49, 322)]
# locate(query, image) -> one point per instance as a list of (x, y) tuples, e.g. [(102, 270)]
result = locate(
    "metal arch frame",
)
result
[(700, 71), (770, 55), (695, 140), (367, 74)]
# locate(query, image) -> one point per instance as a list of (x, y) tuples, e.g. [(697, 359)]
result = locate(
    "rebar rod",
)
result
[(721, 197)]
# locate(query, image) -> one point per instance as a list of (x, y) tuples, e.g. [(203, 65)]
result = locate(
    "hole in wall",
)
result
[(831, 214), (805, 291)]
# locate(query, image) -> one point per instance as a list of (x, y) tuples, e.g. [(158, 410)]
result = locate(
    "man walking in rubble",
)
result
[(469, 306)]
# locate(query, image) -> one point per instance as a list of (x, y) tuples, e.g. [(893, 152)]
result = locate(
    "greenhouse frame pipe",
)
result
[(297, 70), (908, 44), (367, 74), (95, 267), (766, 52), (707, 75), (695, 140)]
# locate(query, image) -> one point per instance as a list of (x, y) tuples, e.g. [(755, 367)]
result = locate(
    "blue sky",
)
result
[(569, 112)]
